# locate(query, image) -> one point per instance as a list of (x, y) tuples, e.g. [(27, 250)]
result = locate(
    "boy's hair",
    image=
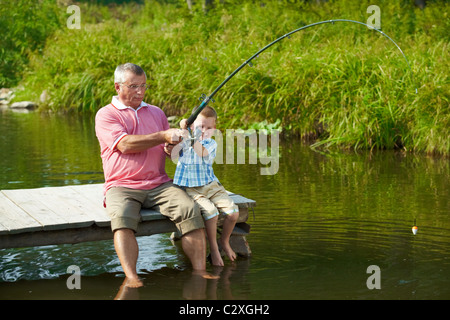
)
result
[(208, 112)]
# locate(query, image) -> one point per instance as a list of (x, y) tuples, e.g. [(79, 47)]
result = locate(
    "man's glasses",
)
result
[(136, 86)]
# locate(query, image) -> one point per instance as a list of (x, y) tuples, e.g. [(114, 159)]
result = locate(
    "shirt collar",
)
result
[(119, 105)]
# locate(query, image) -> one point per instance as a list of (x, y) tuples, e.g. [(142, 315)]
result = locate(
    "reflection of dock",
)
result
[(74, 214)]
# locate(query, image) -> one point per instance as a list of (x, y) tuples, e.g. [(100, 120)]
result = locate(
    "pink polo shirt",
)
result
[(142, 170)]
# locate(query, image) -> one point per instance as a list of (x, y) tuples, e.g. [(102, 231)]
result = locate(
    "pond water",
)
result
[(319, 224)]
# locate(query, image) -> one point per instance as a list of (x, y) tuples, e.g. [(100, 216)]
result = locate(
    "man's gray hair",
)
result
[(119, 74)]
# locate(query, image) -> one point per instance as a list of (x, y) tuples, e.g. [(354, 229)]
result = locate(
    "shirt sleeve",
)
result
[(211, 146), (108, 128)]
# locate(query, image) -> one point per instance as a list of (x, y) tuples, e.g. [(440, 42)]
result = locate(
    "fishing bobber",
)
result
[(414, 230)]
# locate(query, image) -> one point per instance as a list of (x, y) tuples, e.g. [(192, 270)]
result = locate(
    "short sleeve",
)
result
[(108, 128), (210, 145)]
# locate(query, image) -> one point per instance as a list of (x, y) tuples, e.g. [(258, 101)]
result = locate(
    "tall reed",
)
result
[(340, 85)]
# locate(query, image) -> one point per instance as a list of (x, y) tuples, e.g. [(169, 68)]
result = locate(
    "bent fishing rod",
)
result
[(206, 99)]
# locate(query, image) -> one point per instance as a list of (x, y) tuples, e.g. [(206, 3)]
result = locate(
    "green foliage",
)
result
[(25, 25), (339, 84)]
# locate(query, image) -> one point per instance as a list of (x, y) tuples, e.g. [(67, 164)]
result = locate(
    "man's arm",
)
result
[(138, 143)]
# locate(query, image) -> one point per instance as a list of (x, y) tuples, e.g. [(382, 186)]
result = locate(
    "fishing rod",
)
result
[(206, 99)]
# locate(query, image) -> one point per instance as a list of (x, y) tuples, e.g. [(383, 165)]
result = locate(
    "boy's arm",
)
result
[(200, 150)]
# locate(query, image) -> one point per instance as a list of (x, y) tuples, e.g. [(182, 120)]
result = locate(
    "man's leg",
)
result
[(123, 206), (194, 246), (127, 250), (175, 203)]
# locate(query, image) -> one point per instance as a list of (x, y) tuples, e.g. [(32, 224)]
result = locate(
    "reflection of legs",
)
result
[(127, 250)]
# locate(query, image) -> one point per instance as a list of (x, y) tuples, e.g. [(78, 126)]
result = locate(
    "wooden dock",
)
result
[(74, 214)]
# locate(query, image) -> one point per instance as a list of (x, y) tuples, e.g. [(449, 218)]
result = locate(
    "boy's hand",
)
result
[(183, 124)]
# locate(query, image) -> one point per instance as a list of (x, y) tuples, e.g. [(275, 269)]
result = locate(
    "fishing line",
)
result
[(206, 99)]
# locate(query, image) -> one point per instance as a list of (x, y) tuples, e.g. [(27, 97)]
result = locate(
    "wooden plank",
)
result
[(72, 214), (92, 203), (47, 208), (66, 205), (3, 230), (241, 201), (14, 219), (93, 194), (78, 209), (79, 235)]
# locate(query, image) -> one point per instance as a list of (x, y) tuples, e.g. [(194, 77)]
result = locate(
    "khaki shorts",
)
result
[(124, 205), (211, 199)]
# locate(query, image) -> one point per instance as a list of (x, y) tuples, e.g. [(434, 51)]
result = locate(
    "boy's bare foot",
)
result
[(216, 258), (225, 246)]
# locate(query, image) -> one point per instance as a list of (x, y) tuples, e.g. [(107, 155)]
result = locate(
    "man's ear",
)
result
[(117, 86)]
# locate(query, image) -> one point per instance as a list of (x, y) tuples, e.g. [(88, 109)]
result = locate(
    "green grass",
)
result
[(339, 85)]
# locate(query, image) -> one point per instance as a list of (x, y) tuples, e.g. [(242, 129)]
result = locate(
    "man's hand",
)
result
[(168, 149), (138, 143), (173, 136)]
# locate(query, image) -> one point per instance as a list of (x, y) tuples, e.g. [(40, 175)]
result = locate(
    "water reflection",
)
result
[(169, 283), (319, 223), (41, 150)]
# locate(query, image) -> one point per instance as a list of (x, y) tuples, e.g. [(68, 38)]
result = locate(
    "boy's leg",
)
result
[(211, 232), (210, 215), (225, 204), (227, 229)]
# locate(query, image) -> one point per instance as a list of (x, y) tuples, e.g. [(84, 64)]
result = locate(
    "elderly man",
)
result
[(132, 136)]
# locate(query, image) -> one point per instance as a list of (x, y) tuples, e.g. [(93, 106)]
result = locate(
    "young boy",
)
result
[(195, 173)]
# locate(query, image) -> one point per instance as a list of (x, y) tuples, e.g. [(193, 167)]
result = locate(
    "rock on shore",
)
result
[(6, 95)]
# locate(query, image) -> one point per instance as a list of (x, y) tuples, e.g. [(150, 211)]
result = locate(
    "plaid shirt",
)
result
[(193, 170)]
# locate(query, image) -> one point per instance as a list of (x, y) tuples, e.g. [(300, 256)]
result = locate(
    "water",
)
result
[(320, 222)]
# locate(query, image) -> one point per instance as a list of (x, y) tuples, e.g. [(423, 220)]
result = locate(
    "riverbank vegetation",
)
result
[(335, 85)]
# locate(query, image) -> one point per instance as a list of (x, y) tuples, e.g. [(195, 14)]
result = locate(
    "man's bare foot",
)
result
[(225, 246), (134, 283), (126, 292), (205, 275)]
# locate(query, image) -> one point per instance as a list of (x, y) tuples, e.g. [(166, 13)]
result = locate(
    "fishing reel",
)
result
[(203, 98)]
